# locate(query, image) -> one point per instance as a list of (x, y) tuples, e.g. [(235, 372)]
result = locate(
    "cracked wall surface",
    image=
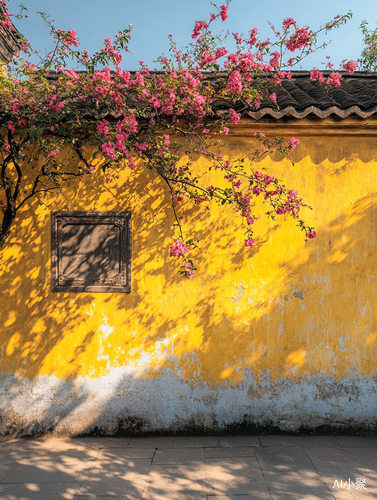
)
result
[(283, 334)]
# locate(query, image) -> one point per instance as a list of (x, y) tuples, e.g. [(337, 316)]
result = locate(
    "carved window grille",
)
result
[(91, 251)]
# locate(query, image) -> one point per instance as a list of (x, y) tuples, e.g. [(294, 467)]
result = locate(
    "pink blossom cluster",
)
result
[(224, 12), (221, 52), (109, 149), (5, 17), (334, 79), (234, 116), (207, 58), (199, 26), (350, 66), (315, 74), (273, 97), (235, 82), (298, 40), (179, 249), (67, 38), (114, 53), (188, 270), (275, 60), (249, 242), (7, 22), (169, 103), (102, 127), (253, 37), (289, 21), (71, 73)]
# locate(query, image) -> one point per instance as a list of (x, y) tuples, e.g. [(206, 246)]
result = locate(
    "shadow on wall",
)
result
[(285, 309)]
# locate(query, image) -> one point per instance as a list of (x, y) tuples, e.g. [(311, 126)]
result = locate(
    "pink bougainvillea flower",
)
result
[(179, 249), (298, 40), (289, 22), (315, 74), (350, 66), (224, 12), (234, 117), (235, 82), (273, 97), (249, 242), (334, 79)]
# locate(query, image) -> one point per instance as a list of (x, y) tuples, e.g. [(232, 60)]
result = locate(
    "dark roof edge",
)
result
[(326, 73), (9, 41), (294, 74)]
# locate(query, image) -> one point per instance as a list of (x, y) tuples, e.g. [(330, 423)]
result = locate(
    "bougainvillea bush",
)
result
[(100, 111), (368, 57)]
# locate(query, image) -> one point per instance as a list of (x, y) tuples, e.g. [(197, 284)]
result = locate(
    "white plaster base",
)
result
[(124, 403)]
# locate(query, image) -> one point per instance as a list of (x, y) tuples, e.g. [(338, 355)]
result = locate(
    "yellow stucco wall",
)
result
[(3, 69), (284, 333)]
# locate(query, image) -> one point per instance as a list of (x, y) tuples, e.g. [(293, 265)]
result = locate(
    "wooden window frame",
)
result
[(121, 283)]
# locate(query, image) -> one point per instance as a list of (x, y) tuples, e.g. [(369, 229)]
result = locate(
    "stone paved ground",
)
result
[(190, 468)]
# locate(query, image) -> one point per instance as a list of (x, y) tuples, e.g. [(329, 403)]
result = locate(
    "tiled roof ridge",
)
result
[(299, 97), (294, 74)]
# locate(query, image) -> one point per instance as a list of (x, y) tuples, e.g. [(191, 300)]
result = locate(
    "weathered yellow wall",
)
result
[(3, 69), (283, 334)]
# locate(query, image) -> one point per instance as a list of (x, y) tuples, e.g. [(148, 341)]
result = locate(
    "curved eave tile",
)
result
[(312, 110), (276, 114)]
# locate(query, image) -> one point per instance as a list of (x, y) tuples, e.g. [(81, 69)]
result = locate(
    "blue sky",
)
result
[(153, 20)]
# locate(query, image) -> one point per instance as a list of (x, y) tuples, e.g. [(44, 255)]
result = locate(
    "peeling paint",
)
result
[(341, 342), (168, 404)]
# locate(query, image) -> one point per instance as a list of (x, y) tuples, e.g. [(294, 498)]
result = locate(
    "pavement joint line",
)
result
[(150, 465), (205, 474), (256, 456), (10, 472), (319, 475), (154, 453)]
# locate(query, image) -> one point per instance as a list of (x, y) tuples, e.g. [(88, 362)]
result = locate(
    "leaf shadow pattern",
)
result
[(283, 311)]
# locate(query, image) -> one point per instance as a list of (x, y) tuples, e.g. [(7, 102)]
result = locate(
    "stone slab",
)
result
[(157, 442), (196, 442), (242, 451), (179, 456), (41, 491), (233, 476), (237, 441), (283, 459)]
